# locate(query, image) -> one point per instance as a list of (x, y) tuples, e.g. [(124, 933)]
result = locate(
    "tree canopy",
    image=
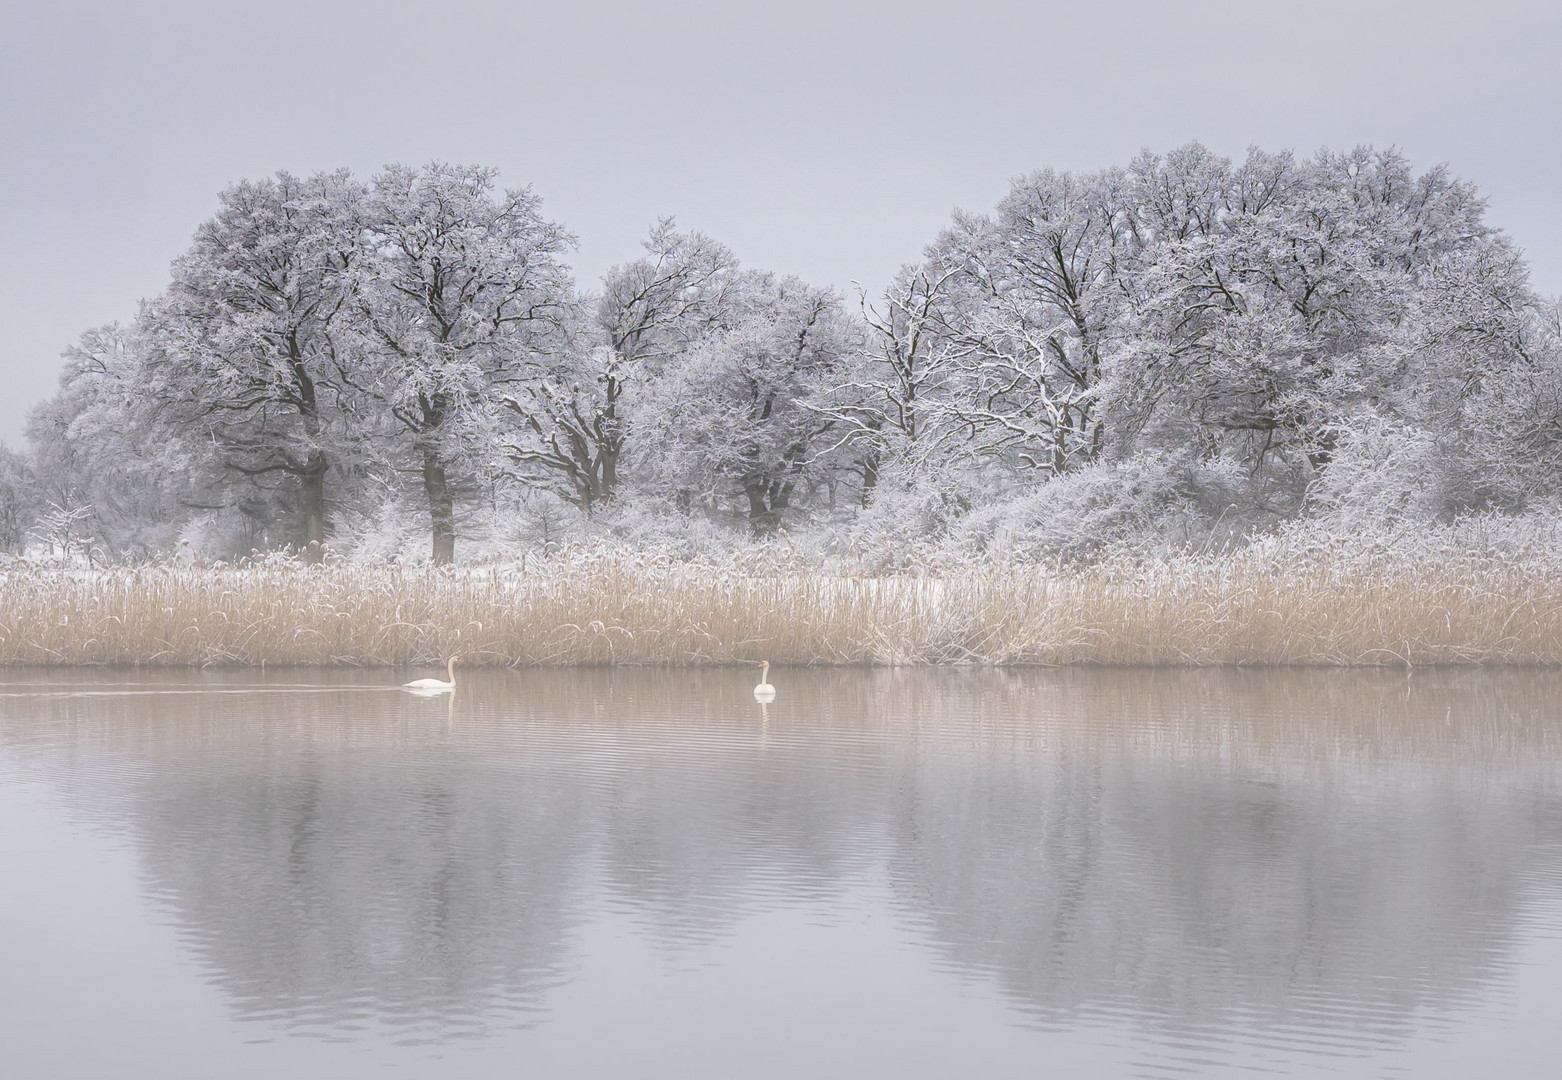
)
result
[(1181, 349)]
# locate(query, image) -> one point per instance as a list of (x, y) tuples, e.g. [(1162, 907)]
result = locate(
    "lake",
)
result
[(908, 873)]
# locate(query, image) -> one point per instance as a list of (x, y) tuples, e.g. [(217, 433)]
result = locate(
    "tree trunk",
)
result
[(768, 500), (609, 471), (870, 478), (441, 507), (610, 439), (762, 521), (312, 508)]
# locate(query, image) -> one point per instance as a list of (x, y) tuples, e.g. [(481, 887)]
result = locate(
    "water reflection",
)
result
[(1321, 860)]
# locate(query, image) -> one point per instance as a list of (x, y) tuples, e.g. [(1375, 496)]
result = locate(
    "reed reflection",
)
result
[(1332, 853)]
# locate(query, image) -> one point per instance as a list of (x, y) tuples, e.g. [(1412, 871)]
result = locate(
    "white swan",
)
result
[(435, 686), (764, 693)]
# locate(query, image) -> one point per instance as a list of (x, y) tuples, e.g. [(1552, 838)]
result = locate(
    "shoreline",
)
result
[(1250, 609)]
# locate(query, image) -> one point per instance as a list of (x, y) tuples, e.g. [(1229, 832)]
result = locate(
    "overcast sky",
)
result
[(829, 139)]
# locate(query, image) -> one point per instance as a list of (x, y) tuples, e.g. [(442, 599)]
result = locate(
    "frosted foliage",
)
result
[(1150, 504), (18, 501), (1185, 353), (106, 484), (1384, 472), (1514, 416), (249, 351), (464, 292), (732, 421), (913, 515), (578, 408)]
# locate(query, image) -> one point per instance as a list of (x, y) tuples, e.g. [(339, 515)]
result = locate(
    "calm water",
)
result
[(907, 874)]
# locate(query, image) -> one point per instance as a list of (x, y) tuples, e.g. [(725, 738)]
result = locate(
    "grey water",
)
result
[(907, 873)]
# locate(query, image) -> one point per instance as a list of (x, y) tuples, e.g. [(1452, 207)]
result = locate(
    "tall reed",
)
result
[(1254, 607)]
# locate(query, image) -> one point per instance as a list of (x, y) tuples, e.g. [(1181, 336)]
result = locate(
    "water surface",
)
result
[(888, 873)]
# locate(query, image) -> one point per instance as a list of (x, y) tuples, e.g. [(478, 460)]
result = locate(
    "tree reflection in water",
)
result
[(1326, 853)]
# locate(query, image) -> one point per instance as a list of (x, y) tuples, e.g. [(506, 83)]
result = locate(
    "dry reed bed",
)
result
[(624, 609)]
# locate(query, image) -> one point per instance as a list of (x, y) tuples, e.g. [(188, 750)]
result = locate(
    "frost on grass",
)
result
[(1481, 593)]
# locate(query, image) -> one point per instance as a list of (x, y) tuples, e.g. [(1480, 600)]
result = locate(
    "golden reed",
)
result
[(613, 608)]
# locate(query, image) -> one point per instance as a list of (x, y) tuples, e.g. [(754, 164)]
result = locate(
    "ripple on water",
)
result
[(1192, 871)]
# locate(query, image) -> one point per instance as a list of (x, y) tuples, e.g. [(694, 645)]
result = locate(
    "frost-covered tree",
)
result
[(98, 464), (1027, 318), (463, 293), (576, 414), (1241, 317), (246, 355), (18, 500), (892, 395), (1299, 304), (1512, 419), (1182, 350), (733, 419)]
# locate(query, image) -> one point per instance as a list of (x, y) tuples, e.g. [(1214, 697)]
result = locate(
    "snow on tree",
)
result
[(652, 311), (1512, 417), (18, 500), (98, 465), (733, 418), (464, 290), (1185, 347), (1029, 313), (247, 352), (891, 393), (1263, 331)]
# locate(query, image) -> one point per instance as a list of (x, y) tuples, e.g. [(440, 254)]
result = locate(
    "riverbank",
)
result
[(1253, 608)]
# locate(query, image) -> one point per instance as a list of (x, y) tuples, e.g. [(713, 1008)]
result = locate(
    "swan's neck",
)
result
[(764, 674), (450, 671)]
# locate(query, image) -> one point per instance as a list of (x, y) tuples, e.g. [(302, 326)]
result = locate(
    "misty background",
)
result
[(827, 140)]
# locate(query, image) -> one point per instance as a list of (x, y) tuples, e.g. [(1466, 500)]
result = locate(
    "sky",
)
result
[(828, 139)]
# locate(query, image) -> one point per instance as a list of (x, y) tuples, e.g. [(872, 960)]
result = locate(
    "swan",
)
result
[(764, 693), (434, 686)]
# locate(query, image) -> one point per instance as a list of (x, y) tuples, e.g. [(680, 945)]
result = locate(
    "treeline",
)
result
[(1183, 350)]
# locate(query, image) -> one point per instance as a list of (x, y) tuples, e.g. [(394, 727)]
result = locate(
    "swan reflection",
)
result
[(1338, 851)]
